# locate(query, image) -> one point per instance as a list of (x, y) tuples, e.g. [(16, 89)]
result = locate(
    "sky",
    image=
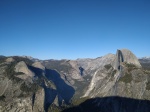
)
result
[(71, 29)]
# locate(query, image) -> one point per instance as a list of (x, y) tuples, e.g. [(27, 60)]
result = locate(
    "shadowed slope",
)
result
[(63, 89), (112, 104)]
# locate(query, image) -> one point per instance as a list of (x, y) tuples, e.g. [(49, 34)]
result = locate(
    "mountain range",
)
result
[(112, 83)]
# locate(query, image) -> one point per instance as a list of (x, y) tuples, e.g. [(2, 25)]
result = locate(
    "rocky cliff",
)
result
[(124, 77)]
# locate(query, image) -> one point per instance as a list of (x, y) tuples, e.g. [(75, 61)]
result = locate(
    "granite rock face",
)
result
[(126, 78), (125, 55), (9, 60), (22, 67), (38, 65), (129, 57), (38, 104), (29, 86)]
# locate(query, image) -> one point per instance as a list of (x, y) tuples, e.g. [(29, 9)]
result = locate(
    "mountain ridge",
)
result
[(59, 83)]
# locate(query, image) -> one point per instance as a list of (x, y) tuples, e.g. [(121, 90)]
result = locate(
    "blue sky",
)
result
[(60, 29)]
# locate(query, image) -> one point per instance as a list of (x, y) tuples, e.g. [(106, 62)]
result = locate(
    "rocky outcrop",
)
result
[(4, 85), (17, 94), (38, 65), (124, 55), (100, 79), (9, 60), (21, 67), (12, 98), (38, 100)]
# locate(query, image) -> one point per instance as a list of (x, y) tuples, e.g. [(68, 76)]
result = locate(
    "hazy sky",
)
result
[(73, 29)]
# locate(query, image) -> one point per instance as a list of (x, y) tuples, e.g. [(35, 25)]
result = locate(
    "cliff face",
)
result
[(118, 60), (13, 97), (38, 100), (29, 86), (124, 55), (124, 77)]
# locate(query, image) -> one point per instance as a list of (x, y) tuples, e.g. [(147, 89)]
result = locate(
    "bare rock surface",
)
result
[(33, 85), (9, 60), (22, 67), (38, 65), (38, 105)]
